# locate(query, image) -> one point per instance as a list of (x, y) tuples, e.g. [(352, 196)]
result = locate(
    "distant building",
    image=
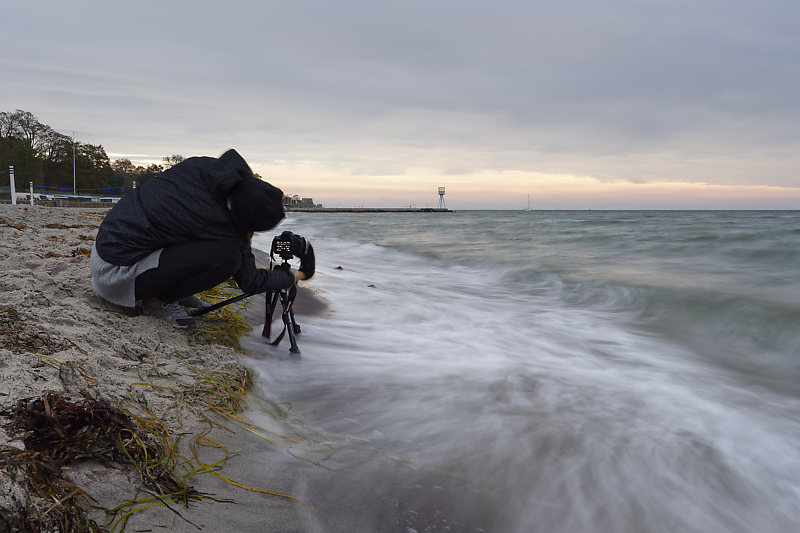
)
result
[(307, 202), (291, 201)]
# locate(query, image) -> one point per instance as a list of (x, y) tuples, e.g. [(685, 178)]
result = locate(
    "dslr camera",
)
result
[(288, 245)]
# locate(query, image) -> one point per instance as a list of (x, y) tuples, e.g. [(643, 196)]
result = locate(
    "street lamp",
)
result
[(74, 187)]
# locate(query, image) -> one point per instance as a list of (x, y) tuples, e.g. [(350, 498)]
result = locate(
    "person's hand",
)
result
[(307, 263), (286, 268)]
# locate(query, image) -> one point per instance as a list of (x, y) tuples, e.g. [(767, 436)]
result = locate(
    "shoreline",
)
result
[(109, 205), (58, 335)]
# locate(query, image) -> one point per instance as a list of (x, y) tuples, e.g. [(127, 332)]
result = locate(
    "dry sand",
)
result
[(102, 351)]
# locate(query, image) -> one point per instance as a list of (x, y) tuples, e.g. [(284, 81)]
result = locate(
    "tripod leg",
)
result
[(267, 317), (288, 317), (292, 339), (272, 303), (294, 321)]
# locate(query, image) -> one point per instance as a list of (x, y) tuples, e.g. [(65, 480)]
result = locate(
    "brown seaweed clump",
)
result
[(16, 335), (57, 432), (6, 223), (76, 252), (64, 226)]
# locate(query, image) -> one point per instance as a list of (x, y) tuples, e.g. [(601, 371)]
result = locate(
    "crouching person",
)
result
[(186, 231)]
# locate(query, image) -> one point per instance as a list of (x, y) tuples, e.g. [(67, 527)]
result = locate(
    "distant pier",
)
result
[(367, 210)]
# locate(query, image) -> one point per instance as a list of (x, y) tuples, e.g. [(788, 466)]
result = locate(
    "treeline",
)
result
[(43, 156)]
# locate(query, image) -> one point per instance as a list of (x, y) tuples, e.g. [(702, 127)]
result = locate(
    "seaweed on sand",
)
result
[(16, 335), (6, 223), (224, 393), (65, 226), (223, 326), (76, 252), (56, 432)]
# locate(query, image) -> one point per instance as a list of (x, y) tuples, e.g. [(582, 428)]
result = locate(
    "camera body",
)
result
[(287, 245)]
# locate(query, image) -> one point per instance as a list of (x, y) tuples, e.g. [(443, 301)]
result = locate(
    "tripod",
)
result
[(286, 297)]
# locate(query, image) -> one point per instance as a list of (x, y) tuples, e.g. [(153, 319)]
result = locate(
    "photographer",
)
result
[(186, 231)]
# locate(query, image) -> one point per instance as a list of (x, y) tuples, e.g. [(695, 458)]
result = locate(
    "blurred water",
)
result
[(586, 371)]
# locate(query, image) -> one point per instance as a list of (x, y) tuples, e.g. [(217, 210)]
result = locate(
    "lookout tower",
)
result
[(441, 198)]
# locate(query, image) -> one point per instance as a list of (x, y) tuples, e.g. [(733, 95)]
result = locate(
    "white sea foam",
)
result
[(584, 420)]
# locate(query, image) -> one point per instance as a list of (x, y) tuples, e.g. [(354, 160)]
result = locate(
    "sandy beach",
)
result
[(58, 336)]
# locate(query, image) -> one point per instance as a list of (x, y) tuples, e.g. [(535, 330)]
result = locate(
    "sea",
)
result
[(550, 371)]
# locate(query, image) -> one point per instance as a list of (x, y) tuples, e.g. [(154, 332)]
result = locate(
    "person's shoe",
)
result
[(193, 301), (171, 312)]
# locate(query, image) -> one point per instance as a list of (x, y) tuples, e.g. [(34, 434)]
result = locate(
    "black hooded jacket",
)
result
[(185, 203)]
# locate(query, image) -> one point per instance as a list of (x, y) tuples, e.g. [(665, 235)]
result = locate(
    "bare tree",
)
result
[(8, 124), (23, 125), (30, 129), (124, 166), (55, 146), (172, 160)]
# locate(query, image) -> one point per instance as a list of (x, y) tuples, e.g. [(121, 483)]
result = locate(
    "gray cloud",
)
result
[(682, 90)]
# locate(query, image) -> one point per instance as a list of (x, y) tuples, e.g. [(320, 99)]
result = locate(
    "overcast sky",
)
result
[(577, 103)]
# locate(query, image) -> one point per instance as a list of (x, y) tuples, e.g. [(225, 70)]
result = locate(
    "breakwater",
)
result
[(367, 210)]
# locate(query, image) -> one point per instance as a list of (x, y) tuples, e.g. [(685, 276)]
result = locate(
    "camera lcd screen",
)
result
[(283, 247)]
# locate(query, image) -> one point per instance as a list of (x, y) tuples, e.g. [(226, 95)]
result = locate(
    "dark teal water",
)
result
[(613, 370)]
